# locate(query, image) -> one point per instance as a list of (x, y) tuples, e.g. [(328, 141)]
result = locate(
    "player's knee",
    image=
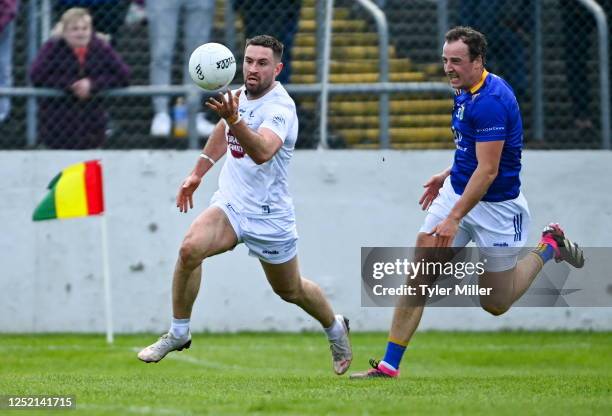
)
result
[(190, 254), (423, 240), (495, 308), (290, 296), (426, 250)]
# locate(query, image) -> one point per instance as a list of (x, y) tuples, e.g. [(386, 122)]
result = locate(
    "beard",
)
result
[(259, 88)]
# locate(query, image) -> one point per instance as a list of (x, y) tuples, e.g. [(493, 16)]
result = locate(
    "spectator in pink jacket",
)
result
[(81, 63)]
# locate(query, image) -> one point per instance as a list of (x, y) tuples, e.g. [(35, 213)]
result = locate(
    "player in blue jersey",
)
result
[(478, 198)]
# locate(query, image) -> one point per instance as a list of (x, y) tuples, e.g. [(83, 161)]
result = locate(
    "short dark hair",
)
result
[(475, 41), (268, 41)]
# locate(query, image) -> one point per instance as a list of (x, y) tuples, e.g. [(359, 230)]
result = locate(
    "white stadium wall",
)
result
[(51, 272)]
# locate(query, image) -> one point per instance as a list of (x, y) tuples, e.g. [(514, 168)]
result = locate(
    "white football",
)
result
[(212, 66)]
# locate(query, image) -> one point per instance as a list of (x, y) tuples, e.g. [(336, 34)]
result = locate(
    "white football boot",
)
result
[(342, 354), (165, 344)]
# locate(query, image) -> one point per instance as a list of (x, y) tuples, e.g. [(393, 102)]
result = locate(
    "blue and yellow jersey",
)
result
[(488, 111)]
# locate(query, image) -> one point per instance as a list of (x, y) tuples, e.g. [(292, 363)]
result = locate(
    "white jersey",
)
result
[(261, 190)]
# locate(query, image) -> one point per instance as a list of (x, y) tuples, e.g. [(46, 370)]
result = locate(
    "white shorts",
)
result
[(272, 240), (499, 229)]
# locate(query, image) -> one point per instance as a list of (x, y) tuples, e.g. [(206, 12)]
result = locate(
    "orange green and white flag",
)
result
[(76, 191)]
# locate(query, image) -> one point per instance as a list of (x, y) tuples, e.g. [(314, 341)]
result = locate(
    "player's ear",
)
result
[(479, 61), (278, 69)]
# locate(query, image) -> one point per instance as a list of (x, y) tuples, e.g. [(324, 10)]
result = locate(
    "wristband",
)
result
[(234, 119), (210, 159)]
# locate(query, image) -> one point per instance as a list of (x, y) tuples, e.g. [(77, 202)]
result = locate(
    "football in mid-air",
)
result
[(212, 66)]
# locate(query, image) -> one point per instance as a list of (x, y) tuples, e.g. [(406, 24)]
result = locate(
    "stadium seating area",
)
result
[(417, 121)]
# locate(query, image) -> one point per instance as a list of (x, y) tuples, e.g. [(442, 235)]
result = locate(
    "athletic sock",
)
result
[(335, 331), (545, 251), (393, 355), (179, 328)]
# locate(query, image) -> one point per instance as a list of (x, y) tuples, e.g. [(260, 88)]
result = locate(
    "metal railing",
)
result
[(323, 89), (442, 15), (194, 95), (604, 68), (382, 29), (323, 78), (538, 81)]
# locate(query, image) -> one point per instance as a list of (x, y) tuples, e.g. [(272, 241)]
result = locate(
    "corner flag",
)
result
[(77, 191)]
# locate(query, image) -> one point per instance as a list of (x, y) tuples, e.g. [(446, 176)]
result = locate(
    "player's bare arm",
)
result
[(488, 155), (215, 148), (260, 145)]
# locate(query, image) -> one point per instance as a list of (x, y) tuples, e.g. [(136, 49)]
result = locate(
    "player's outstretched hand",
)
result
[(432, 189), (226, 108), (184, 199)]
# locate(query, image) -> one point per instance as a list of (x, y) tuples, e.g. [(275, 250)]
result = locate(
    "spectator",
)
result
[(8, 11), (163, 26), (81, 63), (107, 15), (279, 20)]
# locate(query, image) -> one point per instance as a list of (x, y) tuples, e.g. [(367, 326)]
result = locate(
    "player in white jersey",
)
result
[(257, 133)]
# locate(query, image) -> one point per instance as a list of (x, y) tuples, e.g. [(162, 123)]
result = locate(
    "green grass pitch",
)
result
[(507, 373)]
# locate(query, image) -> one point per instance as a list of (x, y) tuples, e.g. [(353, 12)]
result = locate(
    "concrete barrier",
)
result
[(51, 272)]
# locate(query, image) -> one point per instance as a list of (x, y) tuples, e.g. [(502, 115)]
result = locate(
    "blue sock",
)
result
[(545, 251), (394, 354)]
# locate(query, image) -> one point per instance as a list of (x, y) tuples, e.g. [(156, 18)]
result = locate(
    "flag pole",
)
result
[(107, 283)]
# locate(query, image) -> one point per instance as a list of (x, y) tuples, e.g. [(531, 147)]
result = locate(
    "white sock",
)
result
[(179, 328), (336, 330)]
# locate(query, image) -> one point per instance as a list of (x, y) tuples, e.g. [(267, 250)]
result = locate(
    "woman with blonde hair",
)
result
[(81, 63)]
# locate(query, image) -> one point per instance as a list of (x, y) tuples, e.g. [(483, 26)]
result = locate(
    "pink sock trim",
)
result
[(383, 367), (547, 239)]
